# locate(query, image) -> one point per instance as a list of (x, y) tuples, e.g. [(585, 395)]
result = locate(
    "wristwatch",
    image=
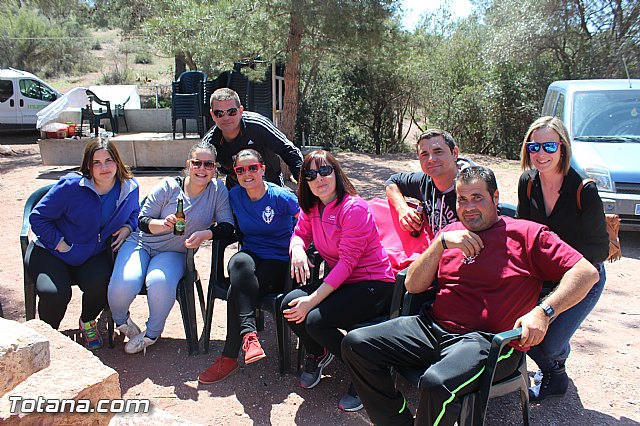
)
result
[(548, 310)]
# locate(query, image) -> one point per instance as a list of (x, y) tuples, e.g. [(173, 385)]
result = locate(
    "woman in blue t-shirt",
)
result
[(264, 217)]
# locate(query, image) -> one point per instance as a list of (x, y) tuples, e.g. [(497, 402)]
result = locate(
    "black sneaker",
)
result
[(350, 401), (313, 366), (554, 384)]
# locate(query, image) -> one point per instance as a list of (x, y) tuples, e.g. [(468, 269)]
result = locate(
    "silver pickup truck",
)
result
[(603, 119)]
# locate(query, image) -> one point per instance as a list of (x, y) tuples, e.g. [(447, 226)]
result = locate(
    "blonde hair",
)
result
[(555, 124)]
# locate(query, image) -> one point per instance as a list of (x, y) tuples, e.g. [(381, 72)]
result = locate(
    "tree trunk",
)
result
[(181, 65), (292, 73)]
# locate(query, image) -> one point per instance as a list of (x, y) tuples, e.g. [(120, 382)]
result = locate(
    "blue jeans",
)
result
[(160, 271), (555, 347)]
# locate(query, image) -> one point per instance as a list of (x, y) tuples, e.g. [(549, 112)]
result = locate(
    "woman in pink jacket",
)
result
[(360, 282)]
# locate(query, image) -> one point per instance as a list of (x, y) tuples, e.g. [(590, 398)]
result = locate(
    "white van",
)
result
[(22, 95), (603, 119)]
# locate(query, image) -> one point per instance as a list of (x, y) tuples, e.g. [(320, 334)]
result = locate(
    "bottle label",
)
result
[(180, 225)]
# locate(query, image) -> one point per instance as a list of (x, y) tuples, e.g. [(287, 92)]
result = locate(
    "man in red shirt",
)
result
[(490, 271)]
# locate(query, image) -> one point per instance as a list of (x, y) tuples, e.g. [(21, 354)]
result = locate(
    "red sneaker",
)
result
[(219, 370), (251, 347)]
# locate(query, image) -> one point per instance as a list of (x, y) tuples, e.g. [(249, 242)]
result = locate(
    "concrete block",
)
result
[(73, 374), (23, 351)]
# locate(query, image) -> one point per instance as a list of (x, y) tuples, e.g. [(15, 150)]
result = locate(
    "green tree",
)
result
[(213, 36), (31, 41)]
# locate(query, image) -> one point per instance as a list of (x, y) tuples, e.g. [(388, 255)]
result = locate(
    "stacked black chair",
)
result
[(187, 101), (210, 86)]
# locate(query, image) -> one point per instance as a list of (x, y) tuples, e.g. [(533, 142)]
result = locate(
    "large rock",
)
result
[(74, 374), (22, 352)]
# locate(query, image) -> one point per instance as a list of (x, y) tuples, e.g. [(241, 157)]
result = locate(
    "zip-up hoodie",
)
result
[(347, 238), (72, 211)]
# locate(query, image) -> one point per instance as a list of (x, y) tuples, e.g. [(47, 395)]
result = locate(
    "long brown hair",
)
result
[(306, 198), (123, 171)]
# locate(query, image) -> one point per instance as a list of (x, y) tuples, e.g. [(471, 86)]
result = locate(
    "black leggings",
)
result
[(54, 278), (250, 278), (349, 305)]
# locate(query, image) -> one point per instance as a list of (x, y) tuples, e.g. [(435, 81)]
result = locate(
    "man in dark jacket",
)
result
[(433, 186), (237, 129)]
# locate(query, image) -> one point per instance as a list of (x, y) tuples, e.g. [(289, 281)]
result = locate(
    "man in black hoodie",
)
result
[(433, 186)]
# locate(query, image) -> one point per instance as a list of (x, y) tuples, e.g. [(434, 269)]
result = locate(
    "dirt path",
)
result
[(604, 366)]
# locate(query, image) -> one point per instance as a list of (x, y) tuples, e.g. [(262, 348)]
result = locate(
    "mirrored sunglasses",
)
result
[(549, 147), (250, 168), (219, 113), (208, 164), (312, 174)]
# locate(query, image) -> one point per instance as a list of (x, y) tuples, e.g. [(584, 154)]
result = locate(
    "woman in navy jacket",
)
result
[(72, 224)]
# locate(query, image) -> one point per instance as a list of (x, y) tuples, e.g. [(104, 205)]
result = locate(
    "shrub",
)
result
[(143, 58)]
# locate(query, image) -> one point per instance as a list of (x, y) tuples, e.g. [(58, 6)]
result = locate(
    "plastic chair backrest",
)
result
[(33, 199), (191, 82)]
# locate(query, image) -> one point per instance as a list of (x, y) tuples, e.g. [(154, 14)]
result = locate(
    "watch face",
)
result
[(548, 310)]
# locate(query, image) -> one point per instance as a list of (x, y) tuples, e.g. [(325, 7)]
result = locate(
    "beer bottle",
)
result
[(416, 232), (181, 223)]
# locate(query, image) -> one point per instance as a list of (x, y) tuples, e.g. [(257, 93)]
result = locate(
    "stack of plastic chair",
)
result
[(210, 86), (187, 101)]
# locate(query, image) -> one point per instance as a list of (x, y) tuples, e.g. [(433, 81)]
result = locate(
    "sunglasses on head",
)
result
[(219, 113), (312, 174), (250, 168), (208, 164), (548, 147)]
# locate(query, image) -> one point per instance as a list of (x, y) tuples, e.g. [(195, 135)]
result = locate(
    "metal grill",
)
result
[(627, 188)]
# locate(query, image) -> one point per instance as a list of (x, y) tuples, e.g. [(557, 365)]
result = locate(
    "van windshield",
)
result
[(606, 116)]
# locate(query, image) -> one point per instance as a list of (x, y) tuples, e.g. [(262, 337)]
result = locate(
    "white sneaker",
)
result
[(537, 378), (129, 329), (139, 343)]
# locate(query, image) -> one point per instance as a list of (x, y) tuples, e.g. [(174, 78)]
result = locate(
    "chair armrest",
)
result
[(217, 258), (412, 302), (191, 262), (398, 294), (498, 343)]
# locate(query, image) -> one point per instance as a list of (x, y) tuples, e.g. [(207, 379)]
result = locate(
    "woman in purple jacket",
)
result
[(72, 224), (360, 283)]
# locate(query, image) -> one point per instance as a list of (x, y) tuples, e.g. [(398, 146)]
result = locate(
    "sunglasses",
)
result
[(208, 164), (231, 112), (250, 168), (312, 174), (549, 147)]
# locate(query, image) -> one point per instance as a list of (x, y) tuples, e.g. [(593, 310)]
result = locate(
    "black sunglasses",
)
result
[(208, 164), (251, 168), (549, 147), (231, 112), (312, 174)]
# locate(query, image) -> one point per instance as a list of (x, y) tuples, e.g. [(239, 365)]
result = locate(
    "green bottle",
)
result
[(181, 222)]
